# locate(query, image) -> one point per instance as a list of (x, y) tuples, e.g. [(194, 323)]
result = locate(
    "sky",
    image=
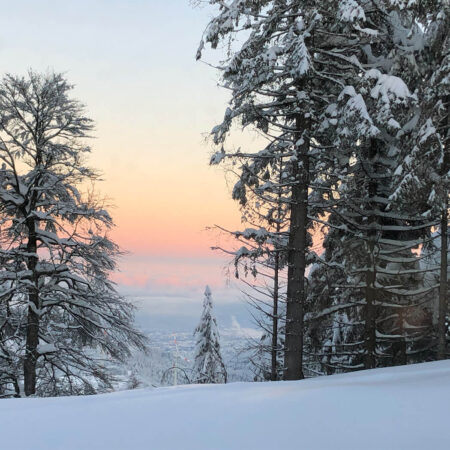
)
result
[(133, 65)]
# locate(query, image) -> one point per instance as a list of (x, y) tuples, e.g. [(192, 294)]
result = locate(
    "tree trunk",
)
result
[(370, 312), (298, 247), (399, 347), (274, 374), (31, 354), (276, 289), (443, 286), (370, 321), (32, 341)]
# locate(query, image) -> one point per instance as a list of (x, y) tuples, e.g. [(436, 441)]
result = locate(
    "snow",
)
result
[(390, 409), (356, 112), (301, 59), (46, 348), (217, 157), (387, 85), (243, 251), (350, 11), (368, 31)]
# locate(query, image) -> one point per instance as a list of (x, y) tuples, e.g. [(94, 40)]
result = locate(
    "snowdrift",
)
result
[(396, 408)]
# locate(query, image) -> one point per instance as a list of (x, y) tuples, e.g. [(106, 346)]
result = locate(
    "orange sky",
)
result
[(133, 64)]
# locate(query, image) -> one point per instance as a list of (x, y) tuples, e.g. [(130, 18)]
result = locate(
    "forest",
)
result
[(345, 239), (343, 250)]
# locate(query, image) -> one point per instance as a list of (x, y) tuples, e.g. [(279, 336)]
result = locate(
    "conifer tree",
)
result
[(280, 82), (346, 97), (208, 363), (423, 176), (378, 123)]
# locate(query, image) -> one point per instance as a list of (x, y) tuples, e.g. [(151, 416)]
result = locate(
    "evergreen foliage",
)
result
[(352, 99), (208, 364)]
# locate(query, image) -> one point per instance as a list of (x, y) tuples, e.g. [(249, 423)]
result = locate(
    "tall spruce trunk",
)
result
[(32, 338), (276, 290), (274, 350), (443, 283), (370, 291), (400, 349), (297, 251), (443, 286), (370, 318)]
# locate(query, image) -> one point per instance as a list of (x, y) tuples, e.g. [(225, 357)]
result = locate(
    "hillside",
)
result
[(396, 408)]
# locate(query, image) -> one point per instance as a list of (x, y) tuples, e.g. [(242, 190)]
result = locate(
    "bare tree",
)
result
[(62, 319)]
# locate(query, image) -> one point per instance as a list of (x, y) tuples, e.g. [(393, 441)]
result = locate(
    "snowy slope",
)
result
[(383, 409)]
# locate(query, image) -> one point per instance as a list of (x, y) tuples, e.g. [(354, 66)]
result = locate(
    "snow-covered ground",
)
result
[(384, 409)]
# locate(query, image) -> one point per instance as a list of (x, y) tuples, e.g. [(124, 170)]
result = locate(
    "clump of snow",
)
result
[(387, 86), (390, 409), (350, 10), (46, 348), (300, 58)]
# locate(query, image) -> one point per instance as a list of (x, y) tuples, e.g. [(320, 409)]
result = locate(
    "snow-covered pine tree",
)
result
[(62, 321), (292, 59), (431, 261), (208, 363), (333, 87), (375, 118), (423, 175), (334, 328)]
